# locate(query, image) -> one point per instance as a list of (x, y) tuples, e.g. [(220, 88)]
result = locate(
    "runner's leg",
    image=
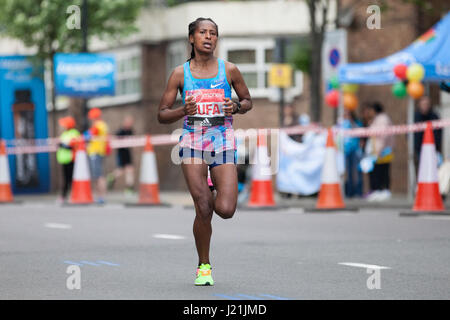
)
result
[(224, 178), (196, 175)]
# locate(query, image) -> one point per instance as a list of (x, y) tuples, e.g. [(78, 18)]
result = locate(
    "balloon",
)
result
[(400, 71), (334, 82), (350, 87), (415, 72), (332, 98), (399, 89), (350, 101), (415, 89)]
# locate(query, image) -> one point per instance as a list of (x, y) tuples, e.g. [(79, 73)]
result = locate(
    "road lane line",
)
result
[(274, 297), (73, 263), (108, 263), (53, 225), (249, 297), (90, 263), (168, 236), (225, 296), (363, 265)]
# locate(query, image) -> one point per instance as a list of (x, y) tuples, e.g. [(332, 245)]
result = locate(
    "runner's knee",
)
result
[(204, 206), (225, 210)]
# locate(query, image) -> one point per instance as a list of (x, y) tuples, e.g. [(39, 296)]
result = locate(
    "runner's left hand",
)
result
[(228, 106)]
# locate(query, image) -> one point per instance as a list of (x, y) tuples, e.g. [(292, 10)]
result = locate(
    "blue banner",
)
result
[(431, 50), (84, 74)]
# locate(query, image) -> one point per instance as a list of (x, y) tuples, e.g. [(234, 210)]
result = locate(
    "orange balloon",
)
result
[(415, 89), (350, 101)]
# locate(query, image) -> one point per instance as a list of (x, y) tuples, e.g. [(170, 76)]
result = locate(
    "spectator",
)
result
[(365, 122), (97, 150), (290, 117), (65, 154), (423, 113), (381, 148), (353, 154), (124, 159)]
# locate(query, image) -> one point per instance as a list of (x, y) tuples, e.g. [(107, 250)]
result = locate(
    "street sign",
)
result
[(84, 74), (280, 75)]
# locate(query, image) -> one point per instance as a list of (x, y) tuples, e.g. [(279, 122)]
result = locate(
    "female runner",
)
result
[(207, 140)]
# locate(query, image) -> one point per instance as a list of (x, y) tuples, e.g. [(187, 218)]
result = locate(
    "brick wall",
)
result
[(399, 28)]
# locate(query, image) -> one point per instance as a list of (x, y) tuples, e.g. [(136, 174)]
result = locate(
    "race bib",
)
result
[(209, 102)]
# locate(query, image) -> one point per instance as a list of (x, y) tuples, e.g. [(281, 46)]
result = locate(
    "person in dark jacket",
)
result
[(124, 159), (423, 113)]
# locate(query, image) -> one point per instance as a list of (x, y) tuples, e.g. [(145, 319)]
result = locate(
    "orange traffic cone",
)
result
[(261, 192), (428, 197), (149, 183), (81, 184), (330, 195), (5, 179)]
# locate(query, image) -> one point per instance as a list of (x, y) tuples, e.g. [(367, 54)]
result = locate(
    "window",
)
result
[(254, 57), (128, 78), (242, 56), (177, 54)]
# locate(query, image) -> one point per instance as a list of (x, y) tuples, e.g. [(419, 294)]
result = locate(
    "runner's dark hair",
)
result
[(193, 26)]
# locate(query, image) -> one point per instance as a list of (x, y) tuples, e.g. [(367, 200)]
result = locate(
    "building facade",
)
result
[(247, 37)]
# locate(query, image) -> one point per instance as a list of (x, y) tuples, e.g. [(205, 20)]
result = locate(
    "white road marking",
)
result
[(363, 265), (57, 225), (168, 236)]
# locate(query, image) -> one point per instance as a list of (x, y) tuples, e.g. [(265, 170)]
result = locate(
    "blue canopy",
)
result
[(432, 50)]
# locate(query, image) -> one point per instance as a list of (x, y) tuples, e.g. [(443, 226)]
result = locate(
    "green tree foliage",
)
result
[(42, 23), (300, 56)]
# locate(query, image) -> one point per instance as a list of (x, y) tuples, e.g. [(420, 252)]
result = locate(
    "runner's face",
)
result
[(205, 37)]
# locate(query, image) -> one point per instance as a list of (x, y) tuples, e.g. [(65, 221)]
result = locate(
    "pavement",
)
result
[(149, 252)]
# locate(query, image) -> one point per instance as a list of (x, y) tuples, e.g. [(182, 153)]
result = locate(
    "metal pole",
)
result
[(411, 167), (280, 44), (84, 31)]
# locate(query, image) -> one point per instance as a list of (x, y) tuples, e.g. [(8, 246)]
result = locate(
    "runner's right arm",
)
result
[(168, 115)]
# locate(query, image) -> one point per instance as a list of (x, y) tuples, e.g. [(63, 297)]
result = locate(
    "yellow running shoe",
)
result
[(204, 277)]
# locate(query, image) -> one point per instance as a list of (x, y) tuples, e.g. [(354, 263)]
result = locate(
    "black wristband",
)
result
[(238, 107)]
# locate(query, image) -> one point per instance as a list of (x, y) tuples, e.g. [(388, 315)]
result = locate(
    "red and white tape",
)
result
[(20, 146)]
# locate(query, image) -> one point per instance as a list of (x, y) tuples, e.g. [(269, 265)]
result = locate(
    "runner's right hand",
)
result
[(190, 106)]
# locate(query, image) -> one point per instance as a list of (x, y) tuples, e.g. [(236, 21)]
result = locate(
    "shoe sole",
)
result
[(204, 285)]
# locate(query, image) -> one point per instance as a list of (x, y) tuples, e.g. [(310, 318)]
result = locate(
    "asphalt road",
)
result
[(149, 253)]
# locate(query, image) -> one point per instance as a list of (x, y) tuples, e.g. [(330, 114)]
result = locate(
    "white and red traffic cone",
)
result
[(428, 197), (261, 192), (81, 182), (6, 194), (330, 195), (148, 178)]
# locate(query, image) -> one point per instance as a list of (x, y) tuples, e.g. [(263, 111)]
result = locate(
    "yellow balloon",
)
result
[(415, 72), (350, 87)]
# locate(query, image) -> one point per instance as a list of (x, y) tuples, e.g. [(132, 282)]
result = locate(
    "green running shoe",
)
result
[(204, 277)]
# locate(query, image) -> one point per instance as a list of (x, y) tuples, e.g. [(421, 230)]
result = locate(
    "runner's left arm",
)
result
[(238, 83)]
